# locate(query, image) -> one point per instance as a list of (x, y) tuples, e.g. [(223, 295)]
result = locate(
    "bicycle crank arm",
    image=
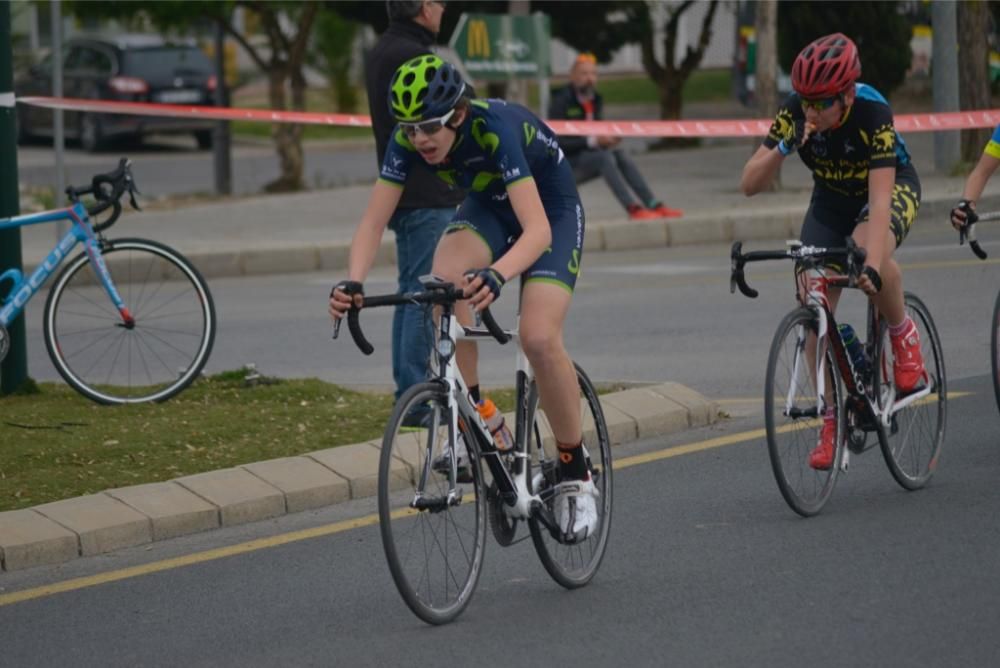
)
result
[(906, 401)]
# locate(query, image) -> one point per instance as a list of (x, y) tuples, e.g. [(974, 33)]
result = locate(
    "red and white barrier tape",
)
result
[(958, 120)]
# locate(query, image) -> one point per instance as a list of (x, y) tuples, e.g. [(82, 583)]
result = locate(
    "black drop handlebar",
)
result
[(434, 292), (968, 231), (108, 189), (853, 255)]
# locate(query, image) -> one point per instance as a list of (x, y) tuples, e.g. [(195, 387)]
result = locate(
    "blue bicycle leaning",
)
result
[(127, 320)]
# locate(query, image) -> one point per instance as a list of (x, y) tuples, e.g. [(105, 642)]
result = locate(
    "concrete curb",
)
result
[(780, 222), (64, 530)]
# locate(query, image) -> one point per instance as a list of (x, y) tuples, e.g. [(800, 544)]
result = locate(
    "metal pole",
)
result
[(944, 81), (58, 128), (14, 369), (222, 157)]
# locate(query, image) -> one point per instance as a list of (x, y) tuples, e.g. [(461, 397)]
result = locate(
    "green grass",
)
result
[(702, 86), (54, 444)]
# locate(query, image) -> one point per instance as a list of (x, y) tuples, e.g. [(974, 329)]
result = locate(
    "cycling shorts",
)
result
[(499, 229), (831, 217)]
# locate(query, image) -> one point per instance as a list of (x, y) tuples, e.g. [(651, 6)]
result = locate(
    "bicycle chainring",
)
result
[(4, 343), (503, 526)]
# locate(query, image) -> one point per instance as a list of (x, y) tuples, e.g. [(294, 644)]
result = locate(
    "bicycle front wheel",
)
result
[(571, 565), (112, 362), (995, 350), (912, 442), (433, 531), (791, 413)]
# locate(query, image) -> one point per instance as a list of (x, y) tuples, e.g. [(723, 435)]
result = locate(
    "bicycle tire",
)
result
[(161, 355), (791, 438), (911, 445), (438, 583), (571, 565), (995, 350)]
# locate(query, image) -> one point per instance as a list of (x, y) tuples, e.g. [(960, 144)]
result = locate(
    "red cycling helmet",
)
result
[(827, 67)]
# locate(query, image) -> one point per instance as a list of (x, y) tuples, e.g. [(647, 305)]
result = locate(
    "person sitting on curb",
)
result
[(600, 154), (965, 212)]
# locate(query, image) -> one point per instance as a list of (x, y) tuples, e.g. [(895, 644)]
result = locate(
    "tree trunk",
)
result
[(766, 74), (973, 67), (671, 77), (286, 136)]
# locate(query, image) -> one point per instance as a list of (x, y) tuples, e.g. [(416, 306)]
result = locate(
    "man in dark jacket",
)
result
[(599, 155), (428, 203)]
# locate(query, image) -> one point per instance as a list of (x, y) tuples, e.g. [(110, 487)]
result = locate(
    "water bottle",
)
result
[(854, 348), (496, 424)]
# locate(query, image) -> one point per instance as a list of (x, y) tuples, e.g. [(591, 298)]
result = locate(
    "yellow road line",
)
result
[(346, 525)]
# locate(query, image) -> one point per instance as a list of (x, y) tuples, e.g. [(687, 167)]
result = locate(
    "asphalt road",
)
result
[(707, 566), (652, 316)]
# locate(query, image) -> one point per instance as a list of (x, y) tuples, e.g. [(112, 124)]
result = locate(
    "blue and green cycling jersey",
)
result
[(993, 146), (498, 145)]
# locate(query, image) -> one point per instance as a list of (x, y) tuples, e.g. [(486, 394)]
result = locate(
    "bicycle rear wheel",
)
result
[(995, 350), (912, 442), (792, 418), (435, 554), (111, 363), (573, 565)]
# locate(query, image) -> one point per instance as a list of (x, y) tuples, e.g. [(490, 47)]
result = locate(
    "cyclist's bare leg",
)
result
[(889, 300), (456, 253), (833, 296), (543, 311)]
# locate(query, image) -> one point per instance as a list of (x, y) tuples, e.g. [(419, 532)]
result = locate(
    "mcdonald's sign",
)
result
[(478, 40), (500, 46)]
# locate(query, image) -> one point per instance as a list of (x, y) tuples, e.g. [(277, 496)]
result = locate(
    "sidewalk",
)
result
[(311, 232)]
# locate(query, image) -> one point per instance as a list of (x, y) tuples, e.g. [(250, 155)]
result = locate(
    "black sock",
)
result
[(474, 393), (572, 462)]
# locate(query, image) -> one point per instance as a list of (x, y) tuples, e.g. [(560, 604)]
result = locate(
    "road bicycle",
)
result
[(810, 370), (969, 233), (433, 525), (127, 320)]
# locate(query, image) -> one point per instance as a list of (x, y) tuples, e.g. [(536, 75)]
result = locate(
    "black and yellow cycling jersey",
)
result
[(840, 158)]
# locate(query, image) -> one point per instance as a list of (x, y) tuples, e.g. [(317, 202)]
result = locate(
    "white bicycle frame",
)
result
[(459, 402)]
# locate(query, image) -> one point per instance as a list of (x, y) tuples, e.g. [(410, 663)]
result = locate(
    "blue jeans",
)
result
[(417, 234)]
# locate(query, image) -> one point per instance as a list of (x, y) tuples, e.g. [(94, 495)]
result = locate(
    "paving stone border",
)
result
[(116, 518)]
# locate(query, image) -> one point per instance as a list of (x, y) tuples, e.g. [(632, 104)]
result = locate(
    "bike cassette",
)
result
[(4, 343), (504, 526)]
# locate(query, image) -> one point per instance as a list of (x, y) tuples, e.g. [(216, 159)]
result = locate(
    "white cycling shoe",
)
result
[(576, 510), (443, 461)]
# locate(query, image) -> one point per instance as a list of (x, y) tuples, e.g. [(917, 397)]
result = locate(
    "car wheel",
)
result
[(204, 139), (91, 134)]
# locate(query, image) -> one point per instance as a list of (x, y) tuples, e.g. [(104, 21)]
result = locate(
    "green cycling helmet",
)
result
[(424, 87)]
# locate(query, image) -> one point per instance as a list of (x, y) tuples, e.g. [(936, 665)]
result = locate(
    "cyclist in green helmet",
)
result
[(522, 216)]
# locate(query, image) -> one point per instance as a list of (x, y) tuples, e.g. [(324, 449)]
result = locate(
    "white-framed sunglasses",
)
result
[(429, 127)]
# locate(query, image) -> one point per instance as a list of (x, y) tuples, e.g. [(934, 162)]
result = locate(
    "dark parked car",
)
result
[(133, 68)]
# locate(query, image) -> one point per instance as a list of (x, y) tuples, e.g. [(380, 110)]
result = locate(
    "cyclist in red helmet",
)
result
[(865, 187)]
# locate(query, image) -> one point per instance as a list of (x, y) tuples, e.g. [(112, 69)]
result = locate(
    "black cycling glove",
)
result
[(965, 206), (491, 279), (873, 276), (349, 288), (793, 140)]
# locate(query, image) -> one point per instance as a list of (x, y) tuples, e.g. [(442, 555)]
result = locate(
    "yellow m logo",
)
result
[(479, 39)]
